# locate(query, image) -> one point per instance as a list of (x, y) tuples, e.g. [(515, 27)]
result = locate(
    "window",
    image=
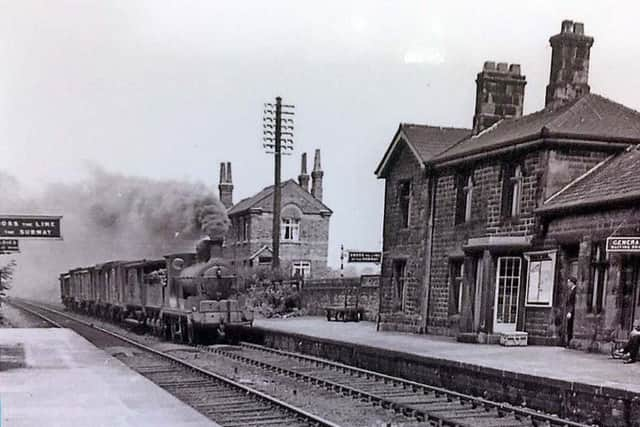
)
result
[(245, 229), (290, 231), (511, 190), (405, 202), (464, 197), (264, 260), (301, 269), (455, 286), (596, 288), (242, 229), (399, 272)]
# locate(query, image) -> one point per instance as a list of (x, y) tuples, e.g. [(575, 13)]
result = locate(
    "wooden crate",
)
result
[(514, 339)]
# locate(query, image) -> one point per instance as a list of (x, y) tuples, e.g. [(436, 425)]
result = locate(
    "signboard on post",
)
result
[(9, 246), (629, 245), (30, 227), (364, 256)]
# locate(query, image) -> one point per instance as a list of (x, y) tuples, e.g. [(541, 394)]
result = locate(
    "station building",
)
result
[(483, 226), (304, 228)]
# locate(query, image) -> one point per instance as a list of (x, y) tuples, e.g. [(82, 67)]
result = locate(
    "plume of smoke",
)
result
[(110, 217)]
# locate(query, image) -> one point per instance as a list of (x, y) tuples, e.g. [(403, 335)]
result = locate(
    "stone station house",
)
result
[(483, 226), (304, 228)]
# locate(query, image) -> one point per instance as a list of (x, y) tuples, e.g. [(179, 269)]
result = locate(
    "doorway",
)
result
[(629, 282), (508, 276)]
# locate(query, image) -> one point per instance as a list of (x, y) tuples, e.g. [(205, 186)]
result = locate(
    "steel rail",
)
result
[(473, 401), (296, 412)]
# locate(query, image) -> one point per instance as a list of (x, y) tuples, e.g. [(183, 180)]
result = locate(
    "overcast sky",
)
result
[(170, 89)]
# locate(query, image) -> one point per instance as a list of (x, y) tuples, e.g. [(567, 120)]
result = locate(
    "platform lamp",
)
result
[(277, 139)]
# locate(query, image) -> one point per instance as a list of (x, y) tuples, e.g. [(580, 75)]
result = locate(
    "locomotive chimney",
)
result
[(215, 247)]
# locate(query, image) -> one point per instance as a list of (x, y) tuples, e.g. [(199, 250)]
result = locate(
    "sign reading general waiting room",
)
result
[(30, 226), (623, 244), (9, 246)]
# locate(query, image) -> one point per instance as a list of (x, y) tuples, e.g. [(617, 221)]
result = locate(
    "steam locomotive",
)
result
[(187, 297)]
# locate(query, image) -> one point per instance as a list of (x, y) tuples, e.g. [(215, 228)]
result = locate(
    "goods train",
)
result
[(184, 297)]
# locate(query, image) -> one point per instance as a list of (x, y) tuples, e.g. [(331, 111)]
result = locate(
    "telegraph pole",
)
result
[(277, 136)]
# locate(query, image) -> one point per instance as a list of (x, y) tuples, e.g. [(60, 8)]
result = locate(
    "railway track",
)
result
[(433, 405), (222, 400)]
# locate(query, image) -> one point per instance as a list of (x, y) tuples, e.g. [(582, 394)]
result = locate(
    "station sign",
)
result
[(30, 227), (628, 245), (9, 246), (364, 256)]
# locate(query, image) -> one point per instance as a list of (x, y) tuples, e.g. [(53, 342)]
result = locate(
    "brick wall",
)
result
[(320, 293), (404, 243)]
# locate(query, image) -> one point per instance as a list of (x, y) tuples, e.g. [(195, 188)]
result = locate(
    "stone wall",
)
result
[(320, 293), (408, 244), (580, 402)]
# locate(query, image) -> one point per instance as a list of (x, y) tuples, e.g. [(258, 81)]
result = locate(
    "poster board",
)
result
[(541, 273)]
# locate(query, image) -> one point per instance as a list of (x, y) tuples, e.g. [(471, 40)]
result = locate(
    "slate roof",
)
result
[(614, 179), (425, 141), (291, 193), (591, 117)]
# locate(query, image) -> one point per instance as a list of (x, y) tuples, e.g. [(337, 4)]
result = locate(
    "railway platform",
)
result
[(54, 377), (585, 387), (556, 363)]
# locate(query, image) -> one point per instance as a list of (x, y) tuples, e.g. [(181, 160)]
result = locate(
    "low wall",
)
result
[(319, 293), (580, 402)]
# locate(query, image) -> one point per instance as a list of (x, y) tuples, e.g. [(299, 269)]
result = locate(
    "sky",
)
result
[(168, 90)]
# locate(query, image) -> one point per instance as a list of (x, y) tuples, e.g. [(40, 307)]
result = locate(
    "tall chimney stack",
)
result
[(316, 177), (225, 187), (303, 178), (499, 94), (569, 77)]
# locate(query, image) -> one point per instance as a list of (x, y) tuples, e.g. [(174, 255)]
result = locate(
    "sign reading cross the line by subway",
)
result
[(9, 246), (364, 256), (30, 227)]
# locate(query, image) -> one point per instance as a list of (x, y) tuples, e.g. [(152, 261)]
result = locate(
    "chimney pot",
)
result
[(489, 66), (316, 177), (225, 186), (514, 69), (502, 67), (567, 26), (578, 28), (303, 178)]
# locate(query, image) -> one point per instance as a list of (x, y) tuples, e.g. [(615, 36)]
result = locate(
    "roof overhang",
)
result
[(498, 242), (529, 142), (397, 140), (613, 201)]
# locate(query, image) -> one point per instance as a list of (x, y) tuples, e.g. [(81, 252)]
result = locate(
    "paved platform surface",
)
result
[(69, 382), (550, 362)]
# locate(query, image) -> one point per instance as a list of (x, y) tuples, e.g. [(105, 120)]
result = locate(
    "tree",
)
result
[(6, 276)]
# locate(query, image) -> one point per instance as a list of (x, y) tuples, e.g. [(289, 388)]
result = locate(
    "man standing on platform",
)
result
[(570, 307)]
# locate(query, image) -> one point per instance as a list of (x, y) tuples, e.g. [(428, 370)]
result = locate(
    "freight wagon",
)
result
[(184, 297)]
